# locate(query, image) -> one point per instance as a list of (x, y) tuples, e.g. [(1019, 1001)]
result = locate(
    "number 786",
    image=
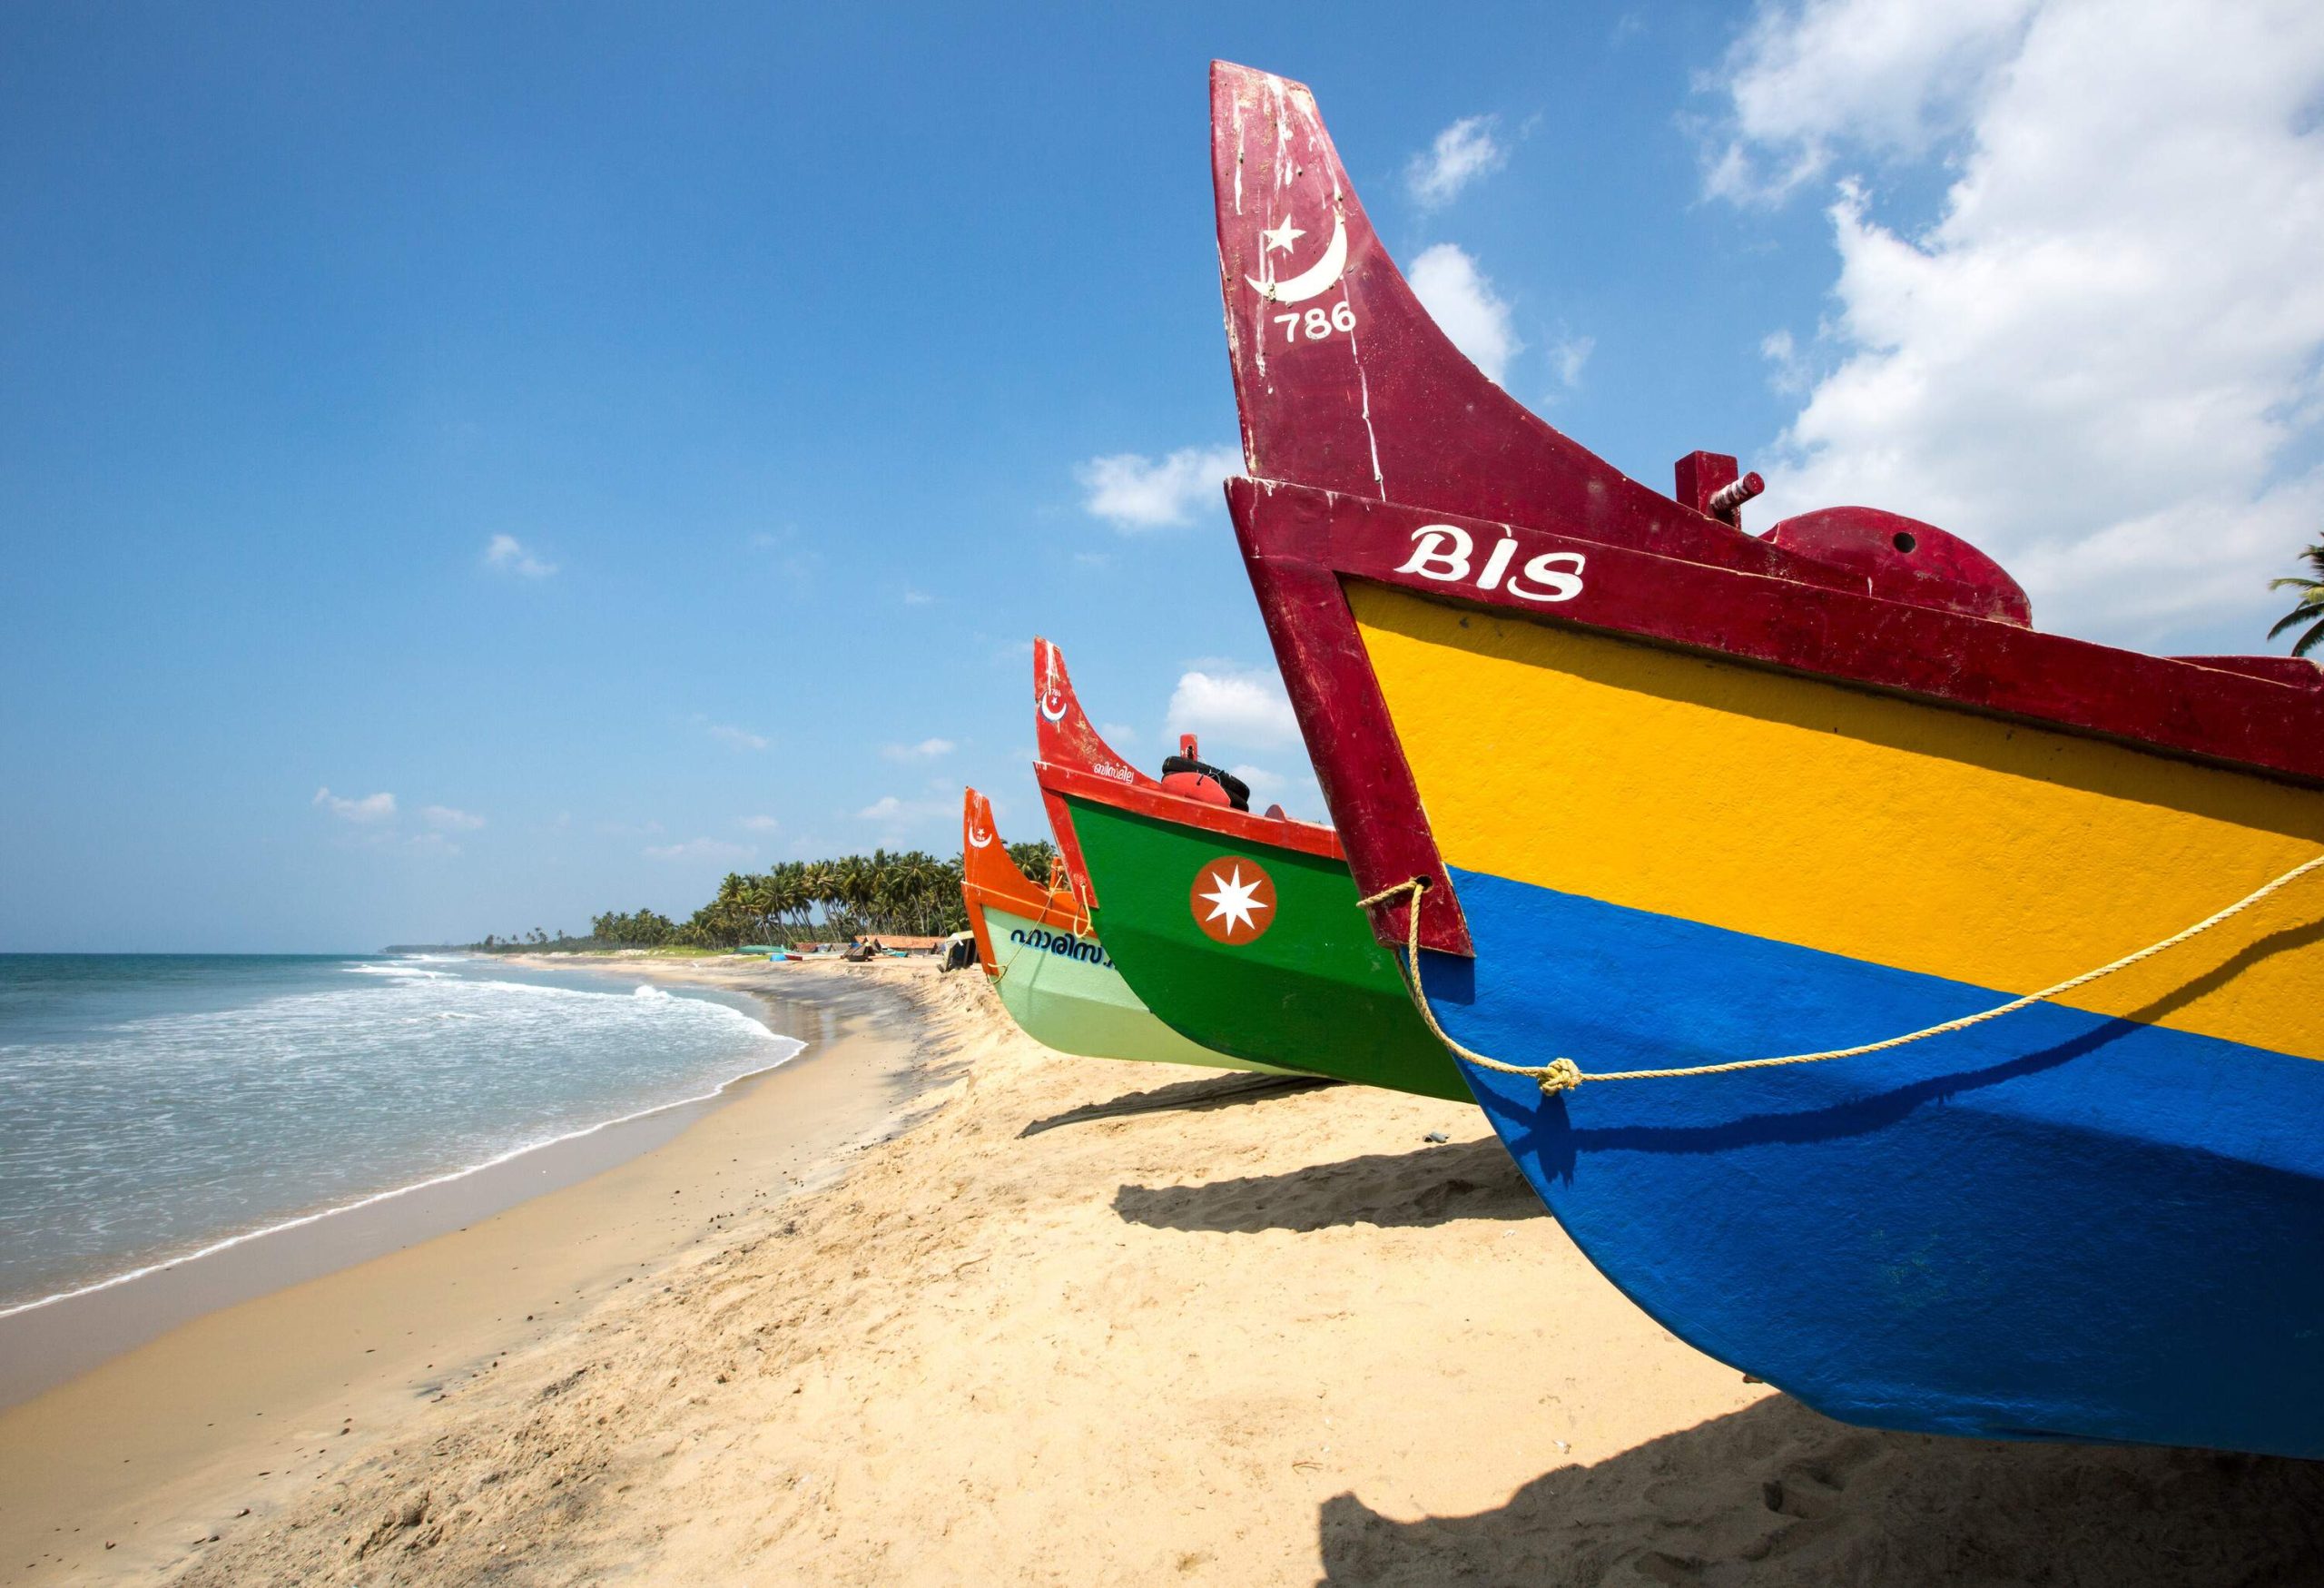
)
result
[(1316, 323)]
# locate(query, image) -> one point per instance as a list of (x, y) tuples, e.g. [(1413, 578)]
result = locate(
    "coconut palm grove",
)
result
[(909, 894)]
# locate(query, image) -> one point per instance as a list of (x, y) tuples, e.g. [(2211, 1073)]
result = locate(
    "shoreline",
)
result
[(46, 1341), (167, 1376), (86, 1325)]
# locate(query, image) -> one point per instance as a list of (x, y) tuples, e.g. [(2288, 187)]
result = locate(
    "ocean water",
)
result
[(154, 1106)]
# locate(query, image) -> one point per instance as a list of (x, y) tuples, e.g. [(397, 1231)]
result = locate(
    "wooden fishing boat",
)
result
[(1053, 976), (1668, 796), (1239, 931)]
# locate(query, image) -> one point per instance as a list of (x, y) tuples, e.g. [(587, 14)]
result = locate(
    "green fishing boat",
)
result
[(1053, 976), (1239, 931)]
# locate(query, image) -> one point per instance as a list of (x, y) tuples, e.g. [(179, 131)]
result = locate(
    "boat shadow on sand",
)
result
[(1776, 1495), (1436, 1185), (1232, 1090)]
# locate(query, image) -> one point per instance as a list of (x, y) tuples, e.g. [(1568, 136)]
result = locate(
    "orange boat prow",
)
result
[(988, 876)]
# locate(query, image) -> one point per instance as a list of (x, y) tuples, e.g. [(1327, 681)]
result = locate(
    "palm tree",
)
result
[(819, 881), (783, 896), (1034, 858), (911, 882), (2310, 608), (864, 874), (851, 893)]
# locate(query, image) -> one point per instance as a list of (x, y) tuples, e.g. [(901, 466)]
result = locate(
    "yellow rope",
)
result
[(1563, 1074)]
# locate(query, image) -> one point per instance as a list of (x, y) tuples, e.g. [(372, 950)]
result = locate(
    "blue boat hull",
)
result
[(2058, 1225)]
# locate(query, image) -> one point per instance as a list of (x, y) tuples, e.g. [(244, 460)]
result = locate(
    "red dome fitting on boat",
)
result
[(1190, 777), (1904, 559)]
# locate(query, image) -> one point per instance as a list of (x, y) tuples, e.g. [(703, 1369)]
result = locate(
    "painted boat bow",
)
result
[(1685, 795)]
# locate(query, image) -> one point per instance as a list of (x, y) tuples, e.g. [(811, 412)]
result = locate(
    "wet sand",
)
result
[(1092, 1323)]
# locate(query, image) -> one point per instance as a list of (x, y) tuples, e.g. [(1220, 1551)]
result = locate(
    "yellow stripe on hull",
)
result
[(1908, 835)]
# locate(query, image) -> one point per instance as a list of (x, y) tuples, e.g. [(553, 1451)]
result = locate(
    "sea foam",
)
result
[(133, 1142)]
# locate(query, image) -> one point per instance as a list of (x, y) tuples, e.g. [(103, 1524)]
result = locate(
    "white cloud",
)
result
[(760, 823), (378, 807), (888, 809), (1569, 354), (716, 849), (1461, 153), (739, 738), (449, 819), (1808, 79), (1298, 794), (1791, 375), (918, 598), (2100, 363), (1244, 708), (509, 554), (1133, 492), (1117, 735), (926, 750), (1461, 300)]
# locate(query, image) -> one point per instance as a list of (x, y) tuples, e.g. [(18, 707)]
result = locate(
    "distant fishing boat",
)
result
[(1053, 976), (1239, 931), (1667, 796)]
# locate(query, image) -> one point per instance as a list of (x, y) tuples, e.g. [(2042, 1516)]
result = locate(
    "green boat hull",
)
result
[(1313, 992), (1064, 991)]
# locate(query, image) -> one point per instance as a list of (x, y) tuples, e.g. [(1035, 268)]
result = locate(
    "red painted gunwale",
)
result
[(1073, 758), (1300, 544), (987, 876), (1368, 428)]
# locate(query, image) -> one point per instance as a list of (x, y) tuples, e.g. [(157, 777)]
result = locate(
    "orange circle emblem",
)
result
[(1233, 900)]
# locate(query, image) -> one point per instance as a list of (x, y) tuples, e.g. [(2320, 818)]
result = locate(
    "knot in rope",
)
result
[(1561, 1075)]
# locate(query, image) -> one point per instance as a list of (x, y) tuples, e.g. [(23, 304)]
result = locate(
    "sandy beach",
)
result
[(303, 1347), (1051, 1321)]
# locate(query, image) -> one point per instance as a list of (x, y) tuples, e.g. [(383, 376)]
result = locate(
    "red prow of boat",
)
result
[(1347, 387), (1345, 383), (1073, 758)]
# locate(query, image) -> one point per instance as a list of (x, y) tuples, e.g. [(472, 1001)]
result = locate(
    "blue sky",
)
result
[(604, 446)]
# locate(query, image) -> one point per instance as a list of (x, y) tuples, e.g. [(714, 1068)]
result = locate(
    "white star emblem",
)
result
[(1234, 902), (1281, 236)]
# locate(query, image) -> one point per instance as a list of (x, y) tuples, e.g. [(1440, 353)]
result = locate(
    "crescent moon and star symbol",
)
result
[(979, 838), (1051, 704), (1233, 901), (1312, 283)]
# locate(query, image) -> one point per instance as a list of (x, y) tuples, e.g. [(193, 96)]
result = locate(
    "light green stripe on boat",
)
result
[(1063, 989)]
